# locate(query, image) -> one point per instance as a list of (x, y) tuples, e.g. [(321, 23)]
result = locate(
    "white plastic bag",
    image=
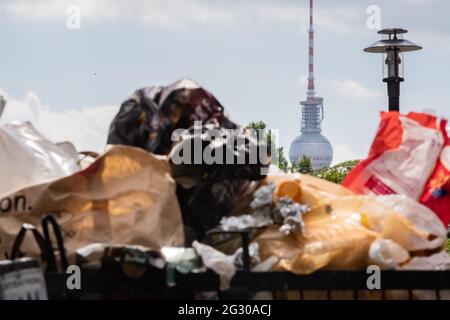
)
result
[(27, 158), (422, 218)]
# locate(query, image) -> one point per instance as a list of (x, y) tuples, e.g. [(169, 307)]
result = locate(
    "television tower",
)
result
[(311, 142)]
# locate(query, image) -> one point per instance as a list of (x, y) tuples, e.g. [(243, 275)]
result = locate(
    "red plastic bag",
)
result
[(437, 190), (402, 157)]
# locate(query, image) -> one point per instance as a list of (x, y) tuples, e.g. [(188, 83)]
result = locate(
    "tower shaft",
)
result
[(311, 85), (312, 110)]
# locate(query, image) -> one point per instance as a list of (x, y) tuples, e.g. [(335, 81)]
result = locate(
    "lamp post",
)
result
[(392, 47)]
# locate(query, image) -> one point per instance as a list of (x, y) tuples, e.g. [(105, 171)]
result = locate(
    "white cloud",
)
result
[(354, 90), (344, 152), (86, 128), (56, 9), (176, 14)]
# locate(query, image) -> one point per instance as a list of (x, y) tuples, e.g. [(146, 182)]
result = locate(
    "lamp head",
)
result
[(393, 42)]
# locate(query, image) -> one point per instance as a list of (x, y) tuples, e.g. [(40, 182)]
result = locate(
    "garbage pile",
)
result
[(148, 199)]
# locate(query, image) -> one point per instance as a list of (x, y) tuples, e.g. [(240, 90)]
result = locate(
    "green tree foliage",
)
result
[(338, 172), (257, 125), (262, 133), (275, 153), (303, 166), (334, 174), (282, 162)]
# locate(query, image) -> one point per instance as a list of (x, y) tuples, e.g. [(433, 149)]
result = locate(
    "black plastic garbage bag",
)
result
[(148, 118)]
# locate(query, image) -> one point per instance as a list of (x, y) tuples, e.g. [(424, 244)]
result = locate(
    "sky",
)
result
[(251, 54)]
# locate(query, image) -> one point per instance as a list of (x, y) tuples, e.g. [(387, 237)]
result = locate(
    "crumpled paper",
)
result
[(290, 215)]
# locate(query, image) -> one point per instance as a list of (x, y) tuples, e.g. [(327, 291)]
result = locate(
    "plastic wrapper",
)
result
[(27, 158)]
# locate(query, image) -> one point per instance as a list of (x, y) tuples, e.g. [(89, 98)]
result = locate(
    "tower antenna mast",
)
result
[(311, 142), (311, 86)]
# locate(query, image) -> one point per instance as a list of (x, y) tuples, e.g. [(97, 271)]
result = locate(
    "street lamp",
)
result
[(392, 47)]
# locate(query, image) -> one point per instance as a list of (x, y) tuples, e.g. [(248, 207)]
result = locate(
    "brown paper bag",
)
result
[(126, 196)]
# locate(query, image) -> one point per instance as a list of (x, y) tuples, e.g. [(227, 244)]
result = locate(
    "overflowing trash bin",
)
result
[(147, 219)]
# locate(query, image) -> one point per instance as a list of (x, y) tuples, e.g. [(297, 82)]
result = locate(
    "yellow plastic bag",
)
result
[(327, 241), (337, 235)]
